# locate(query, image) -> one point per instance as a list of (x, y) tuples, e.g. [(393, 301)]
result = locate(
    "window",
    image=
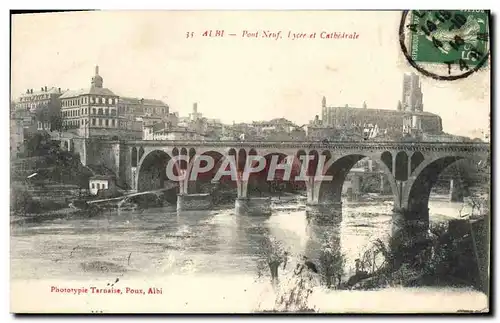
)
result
[(93, 99), (107, 111), (100, 100), (113, 112), (82, 111), (106, 122), (93, 111), (99, 112), (100, 122), (113, 123), (93, 121), (93, 185)]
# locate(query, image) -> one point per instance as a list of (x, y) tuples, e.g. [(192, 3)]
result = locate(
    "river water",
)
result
[(204, 261)]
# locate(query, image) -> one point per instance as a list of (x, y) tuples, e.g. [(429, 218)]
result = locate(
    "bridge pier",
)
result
[(410, 228), (253, 206), (194, 202), (323, 246), (456, 192)]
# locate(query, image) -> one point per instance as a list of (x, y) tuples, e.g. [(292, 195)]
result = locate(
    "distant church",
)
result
[(409, 116)]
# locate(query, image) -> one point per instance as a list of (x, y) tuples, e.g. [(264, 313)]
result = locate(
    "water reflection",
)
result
[(161, 241)]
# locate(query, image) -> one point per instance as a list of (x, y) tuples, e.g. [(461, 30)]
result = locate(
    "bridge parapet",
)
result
[(368, 145)]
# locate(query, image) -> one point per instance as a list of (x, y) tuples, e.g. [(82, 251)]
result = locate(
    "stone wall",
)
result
[(96, 152), (194, 202)]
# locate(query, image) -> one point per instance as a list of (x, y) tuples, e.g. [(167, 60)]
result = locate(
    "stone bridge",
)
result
[(412, 168)]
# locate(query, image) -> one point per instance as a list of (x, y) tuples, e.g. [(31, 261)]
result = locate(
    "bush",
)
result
[(448, 257), (274, 255), (331, 263), (22, 202)]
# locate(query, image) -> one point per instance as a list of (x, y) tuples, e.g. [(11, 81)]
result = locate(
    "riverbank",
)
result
[(63, 213)]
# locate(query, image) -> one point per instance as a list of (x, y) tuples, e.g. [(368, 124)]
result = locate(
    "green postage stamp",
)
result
[(449, 36)]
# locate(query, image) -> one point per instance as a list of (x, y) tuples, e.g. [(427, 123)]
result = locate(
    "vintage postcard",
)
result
[(250, 162)]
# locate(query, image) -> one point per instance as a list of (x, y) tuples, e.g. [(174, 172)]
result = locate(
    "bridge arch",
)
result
[(200, 183), (192, 153), (417, 191), (416, 159), (141, 153), (151, 172), (330, 191), (401, 169), (258, 183), (386, 159)]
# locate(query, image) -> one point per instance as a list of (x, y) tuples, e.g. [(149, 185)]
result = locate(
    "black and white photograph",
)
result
[(189, 161)]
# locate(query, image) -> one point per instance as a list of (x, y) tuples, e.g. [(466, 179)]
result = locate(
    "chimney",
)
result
[(45, 88), (31, 91), (27, 91), (59, 89), (195, 107), (97, 70), (41, 89)]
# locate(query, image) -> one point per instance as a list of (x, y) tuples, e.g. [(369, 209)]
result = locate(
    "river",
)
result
[(202, 261)]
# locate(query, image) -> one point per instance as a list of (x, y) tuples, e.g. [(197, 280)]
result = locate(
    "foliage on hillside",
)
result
[(51, 163)]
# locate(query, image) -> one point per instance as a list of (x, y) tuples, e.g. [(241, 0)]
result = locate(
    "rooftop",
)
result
[(51, 90), (102, 177), (87, 91), (129, 100), (382, 111)]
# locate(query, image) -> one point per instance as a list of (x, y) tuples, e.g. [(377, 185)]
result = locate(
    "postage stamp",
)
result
[(446, 44)]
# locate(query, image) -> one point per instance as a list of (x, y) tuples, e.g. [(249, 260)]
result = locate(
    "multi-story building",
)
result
[(161, 131), (40, 110), (149, 120), (278, 125), (132, 108), (92, 111)]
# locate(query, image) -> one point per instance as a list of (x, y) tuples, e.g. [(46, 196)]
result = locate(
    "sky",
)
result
[(146, 54)]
